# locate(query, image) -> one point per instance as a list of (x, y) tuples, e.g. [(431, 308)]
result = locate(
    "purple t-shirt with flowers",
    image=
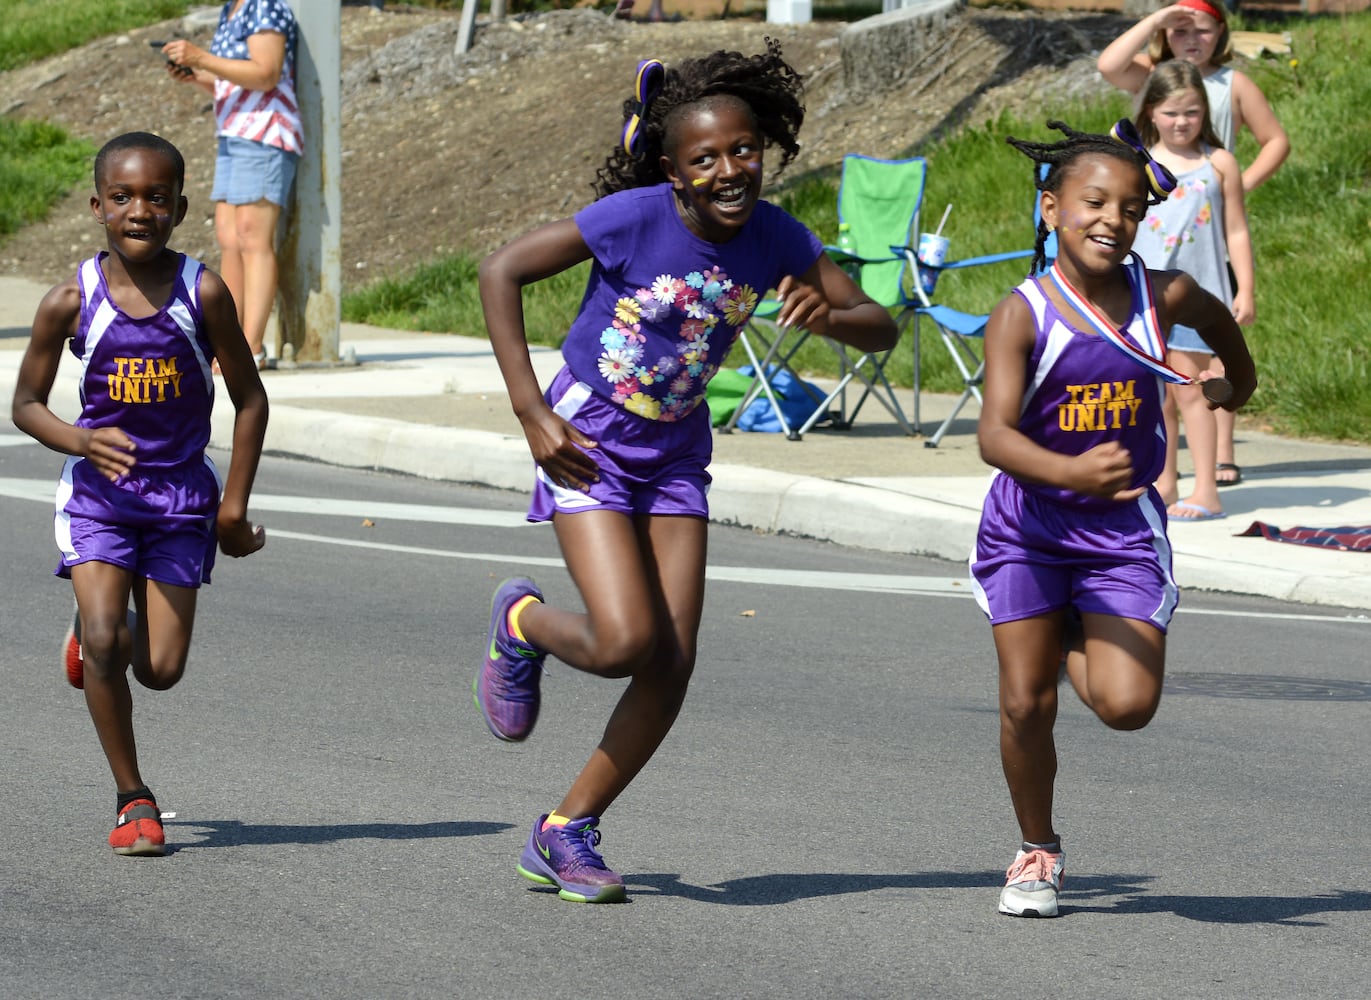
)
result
[(663, 306)]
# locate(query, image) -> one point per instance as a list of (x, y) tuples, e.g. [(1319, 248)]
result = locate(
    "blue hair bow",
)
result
[(646, 86), (1160, 180)]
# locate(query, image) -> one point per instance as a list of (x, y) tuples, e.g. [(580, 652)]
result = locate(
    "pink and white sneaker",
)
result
[(1032, 883)]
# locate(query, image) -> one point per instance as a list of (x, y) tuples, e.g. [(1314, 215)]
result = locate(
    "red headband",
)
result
[(1204, 7)]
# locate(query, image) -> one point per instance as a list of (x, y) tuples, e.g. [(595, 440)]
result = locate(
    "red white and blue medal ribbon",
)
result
[(1142, 292)]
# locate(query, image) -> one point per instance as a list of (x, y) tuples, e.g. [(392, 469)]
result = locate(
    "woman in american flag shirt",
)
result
[(250, 70)]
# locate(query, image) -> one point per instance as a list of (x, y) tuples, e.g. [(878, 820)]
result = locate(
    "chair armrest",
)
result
[(952, 265), (991, 258), (841, 256)]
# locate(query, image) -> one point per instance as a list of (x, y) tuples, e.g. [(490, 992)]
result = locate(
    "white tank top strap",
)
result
[(88, 276)]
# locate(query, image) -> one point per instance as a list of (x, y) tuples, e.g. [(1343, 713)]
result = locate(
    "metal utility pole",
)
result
[(311, 252)]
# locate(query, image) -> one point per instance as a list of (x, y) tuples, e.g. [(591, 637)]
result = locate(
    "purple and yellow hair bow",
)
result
[(1160, 180), (646, 86)]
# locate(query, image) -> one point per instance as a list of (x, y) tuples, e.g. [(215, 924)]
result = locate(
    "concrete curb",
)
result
[(444, 453), (938, 522)]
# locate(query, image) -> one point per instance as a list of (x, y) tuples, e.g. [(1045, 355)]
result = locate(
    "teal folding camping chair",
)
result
[(879, 202)]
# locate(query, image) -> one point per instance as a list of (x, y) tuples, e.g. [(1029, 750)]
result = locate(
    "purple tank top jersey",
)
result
[(149, 376), (1083, 391)]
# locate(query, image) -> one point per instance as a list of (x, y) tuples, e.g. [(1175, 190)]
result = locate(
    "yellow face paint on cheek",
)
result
[(700, 181)]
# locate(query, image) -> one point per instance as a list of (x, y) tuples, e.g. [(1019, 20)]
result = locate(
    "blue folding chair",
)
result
[(962, 333)]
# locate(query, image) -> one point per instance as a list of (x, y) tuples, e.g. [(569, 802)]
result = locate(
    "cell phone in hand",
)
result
[(156, 46)]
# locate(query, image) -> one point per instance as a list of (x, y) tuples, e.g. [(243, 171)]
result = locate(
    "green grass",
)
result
[(31, 29), (441, 297), (39, 163)]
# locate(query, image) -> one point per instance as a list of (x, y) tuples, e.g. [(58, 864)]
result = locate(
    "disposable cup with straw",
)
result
[(932, 253)]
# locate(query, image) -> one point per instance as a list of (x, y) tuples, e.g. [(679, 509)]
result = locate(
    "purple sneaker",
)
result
[(506, 689), (565, 856)]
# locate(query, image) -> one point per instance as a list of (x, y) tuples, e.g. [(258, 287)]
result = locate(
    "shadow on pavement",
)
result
[(773, 890), (1082, 894), (236, 833), (1253, 909)]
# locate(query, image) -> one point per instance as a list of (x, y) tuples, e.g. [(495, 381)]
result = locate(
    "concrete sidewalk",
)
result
[(434, 406)]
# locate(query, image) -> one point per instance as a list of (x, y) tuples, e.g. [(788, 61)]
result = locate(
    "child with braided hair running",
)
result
[(1072, 420), (682, 246)]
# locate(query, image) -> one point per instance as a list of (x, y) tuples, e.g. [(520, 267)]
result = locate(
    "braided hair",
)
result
[(1059, 157), (766, 83)]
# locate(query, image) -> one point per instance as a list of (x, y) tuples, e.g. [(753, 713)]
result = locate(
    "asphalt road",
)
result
[(828, 819)]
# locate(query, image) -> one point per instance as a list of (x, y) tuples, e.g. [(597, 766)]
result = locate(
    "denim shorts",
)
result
[(246, 172), (1184, 338)]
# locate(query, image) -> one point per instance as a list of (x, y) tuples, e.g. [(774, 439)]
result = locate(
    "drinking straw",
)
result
[(946, 212)]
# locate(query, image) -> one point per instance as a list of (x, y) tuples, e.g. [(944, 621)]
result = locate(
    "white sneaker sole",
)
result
[(1038, 903)]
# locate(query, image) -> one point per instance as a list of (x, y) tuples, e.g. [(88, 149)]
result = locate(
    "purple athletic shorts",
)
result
[(1034, 557), (159, 525), (646, 466)]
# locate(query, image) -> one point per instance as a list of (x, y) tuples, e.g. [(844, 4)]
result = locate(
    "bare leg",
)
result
[(166, 619), (1226, 421), (157, 652), (256, 227), (643, 616), (1200, 435), (102, 597), (1029, 653), (1120, 676), (231, 258)]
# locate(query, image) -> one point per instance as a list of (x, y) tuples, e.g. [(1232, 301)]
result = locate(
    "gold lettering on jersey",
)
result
[(144, 380), (1099, 406)]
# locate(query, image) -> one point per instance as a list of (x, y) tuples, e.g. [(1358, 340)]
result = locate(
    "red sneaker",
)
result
[(71, 653), (138, 831)]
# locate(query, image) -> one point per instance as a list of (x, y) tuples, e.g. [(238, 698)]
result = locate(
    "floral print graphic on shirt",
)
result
[(1186, 189), (671, 386)]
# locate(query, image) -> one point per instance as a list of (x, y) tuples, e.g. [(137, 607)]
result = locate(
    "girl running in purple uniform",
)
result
[(139, 507), (1073, 420), (683, 248)]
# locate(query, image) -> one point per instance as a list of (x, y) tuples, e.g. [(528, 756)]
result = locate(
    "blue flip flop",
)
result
[(1200, 513)]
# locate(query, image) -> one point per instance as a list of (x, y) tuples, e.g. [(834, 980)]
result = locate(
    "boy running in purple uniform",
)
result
[(140, 507)]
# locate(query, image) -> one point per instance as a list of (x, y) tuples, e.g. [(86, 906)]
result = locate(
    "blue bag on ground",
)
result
[(797, 400)]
